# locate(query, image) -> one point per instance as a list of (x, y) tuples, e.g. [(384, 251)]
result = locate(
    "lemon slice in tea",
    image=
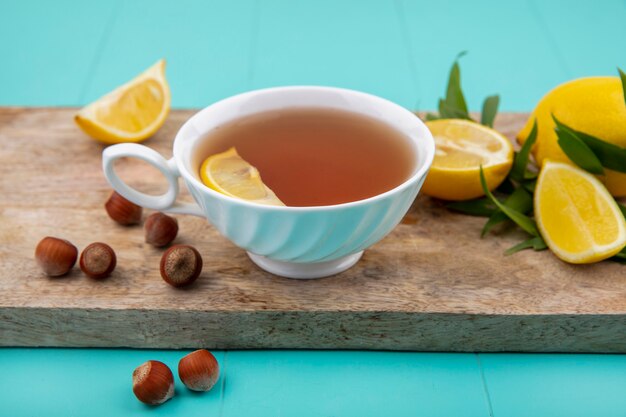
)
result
[(230, 174)]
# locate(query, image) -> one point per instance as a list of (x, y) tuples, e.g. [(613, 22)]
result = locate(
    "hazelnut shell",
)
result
[(199, 370), (98, 260), (153, 383), (55, 256), (123, 211), (160, 229), (181, 265)]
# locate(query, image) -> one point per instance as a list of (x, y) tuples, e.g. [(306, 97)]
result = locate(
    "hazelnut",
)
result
[(199, 370), (161, 229), (153, 383), (98, 260), (55, 256), (181, 265), (123, 211)]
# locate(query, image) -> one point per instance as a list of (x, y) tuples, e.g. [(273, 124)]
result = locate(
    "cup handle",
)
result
[(164, 202)]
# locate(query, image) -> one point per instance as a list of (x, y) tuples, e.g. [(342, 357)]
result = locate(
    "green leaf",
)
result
[(479, 207), (530, 185), (454, 93), (448, 112), (611, 156), (526, 244), (432, 116), (520, 200), (490, 109), (518, 172), (507, 187), (531, 175), (523, 221), (578, 151), (495, 219), (537, 243), (623, 77)]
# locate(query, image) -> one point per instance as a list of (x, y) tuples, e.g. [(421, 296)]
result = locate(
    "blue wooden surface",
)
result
[(555, 385), (69, 52)]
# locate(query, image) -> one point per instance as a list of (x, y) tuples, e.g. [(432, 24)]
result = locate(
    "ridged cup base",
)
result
[(305, 270)]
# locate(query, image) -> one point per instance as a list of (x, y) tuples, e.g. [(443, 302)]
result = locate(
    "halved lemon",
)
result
[(576, 215), (130, 113), (461, 147), (230, 174)]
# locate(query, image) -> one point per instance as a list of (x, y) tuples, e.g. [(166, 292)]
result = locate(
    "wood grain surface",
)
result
[(432, 284)]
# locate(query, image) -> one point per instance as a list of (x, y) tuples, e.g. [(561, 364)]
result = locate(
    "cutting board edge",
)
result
[(54, 327)]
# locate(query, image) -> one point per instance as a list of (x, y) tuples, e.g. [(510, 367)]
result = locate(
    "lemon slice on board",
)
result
[(576, 215), (130, 113), (230, 174), (461, 147)]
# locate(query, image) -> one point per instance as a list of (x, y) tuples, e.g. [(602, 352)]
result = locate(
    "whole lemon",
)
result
[(593, 105)]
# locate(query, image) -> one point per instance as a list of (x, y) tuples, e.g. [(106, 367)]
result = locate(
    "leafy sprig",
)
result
[(523, 221), (454, 105), (576, 149), (606, 154), (537, 243), (520, 200), (490, 109), (520, 174), (482, 207), (513, 200)]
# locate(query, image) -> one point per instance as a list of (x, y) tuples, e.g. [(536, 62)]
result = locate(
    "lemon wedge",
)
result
[(130, 113), (576, 215), (461, 147), (230, 174)]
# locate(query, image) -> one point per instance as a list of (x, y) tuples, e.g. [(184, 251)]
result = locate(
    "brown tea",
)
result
[(317, 157)]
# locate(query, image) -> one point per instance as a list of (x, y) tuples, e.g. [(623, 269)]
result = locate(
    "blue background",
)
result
[(68, 53)]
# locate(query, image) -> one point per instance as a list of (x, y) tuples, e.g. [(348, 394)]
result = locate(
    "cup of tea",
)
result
[(347, 165)]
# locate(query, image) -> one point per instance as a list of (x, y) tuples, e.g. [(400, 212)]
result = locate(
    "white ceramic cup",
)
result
[(294, 242)]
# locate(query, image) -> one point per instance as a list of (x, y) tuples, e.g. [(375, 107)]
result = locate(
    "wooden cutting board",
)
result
[(432, 284)]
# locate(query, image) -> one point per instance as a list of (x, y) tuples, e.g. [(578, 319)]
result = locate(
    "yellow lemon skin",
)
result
[(576, 215), (593, 105), (461, 147), (132, 112)]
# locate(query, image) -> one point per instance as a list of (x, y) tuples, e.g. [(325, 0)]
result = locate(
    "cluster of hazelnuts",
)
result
[(153, 382), (180, 264)]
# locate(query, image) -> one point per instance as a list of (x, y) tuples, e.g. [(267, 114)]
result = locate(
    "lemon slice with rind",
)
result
[(461, 147), (230, 174), (576, 215), (130, 113)]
